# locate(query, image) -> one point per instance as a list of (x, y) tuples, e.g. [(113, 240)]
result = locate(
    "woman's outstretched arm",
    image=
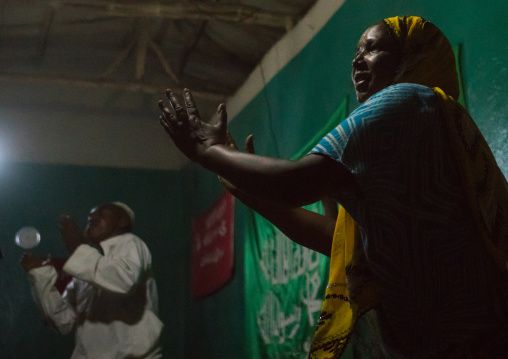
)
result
[(282, 182), (307, 228), (304, 227)]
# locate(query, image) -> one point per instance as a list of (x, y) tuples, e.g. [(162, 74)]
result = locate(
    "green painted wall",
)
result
[(300, 99), (215, 325)]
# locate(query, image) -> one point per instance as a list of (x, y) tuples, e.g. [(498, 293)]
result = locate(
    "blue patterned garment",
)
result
[(435, 280)]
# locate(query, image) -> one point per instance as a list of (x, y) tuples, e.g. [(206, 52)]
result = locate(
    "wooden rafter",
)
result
[(183, 10), (117, 85)]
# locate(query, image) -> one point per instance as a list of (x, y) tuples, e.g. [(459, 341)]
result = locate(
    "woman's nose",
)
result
[(357, 58)]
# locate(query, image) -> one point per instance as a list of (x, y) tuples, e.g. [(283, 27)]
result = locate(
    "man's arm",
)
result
[(56, 309), (119, 271)]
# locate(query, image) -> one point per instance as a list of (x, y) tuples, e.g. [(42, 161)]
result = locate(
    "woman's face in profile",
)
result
[(377, 57)]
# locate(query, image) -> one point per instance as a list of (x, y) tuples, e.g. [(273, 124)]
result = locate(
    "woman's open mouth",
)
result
[(361, 79)]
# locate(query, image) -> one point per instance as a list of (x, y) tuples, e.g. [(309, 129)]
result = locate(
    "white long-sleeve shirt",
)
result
[(111, 301)]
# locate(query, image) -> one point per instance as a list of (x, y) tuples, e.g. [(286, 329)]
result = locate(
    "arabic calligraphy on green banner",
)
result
[(284, 287)]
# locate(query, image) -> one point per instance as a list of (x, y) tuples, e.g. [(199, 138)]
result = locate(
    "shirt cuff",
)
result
[(44, 274)]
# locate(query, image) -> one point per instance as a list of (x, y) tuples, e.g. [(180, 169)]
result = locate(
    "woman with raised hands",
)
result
[(422, 250)]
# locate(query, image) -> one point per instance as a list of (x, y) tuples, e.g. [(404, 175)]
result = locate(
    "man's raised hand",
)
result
[(71, 234)]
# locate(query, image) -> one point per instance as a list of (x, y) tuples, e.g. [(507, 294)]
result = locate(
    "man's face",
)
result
[(377, 58), (102, 223)]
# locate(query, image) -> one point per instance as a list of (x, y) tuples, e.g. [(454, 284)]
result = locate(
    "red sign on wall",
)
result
[(212, 252)]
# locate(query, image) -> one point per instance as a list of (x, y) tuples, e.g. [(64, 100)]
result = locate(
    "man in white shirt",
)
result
[(111, 301)]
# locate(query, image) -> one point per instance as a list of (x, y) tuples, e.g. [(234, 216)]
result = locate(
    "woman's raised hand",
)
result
[(185, 127)]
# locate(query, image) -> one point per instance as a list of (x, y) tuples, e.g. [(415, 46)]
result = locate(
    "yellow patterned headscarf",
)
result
[(427, 56)]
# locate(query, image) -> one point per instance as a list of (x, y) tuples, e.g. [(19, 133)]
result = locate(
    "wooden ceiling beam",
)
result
[(183, 10), (114, 85)]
